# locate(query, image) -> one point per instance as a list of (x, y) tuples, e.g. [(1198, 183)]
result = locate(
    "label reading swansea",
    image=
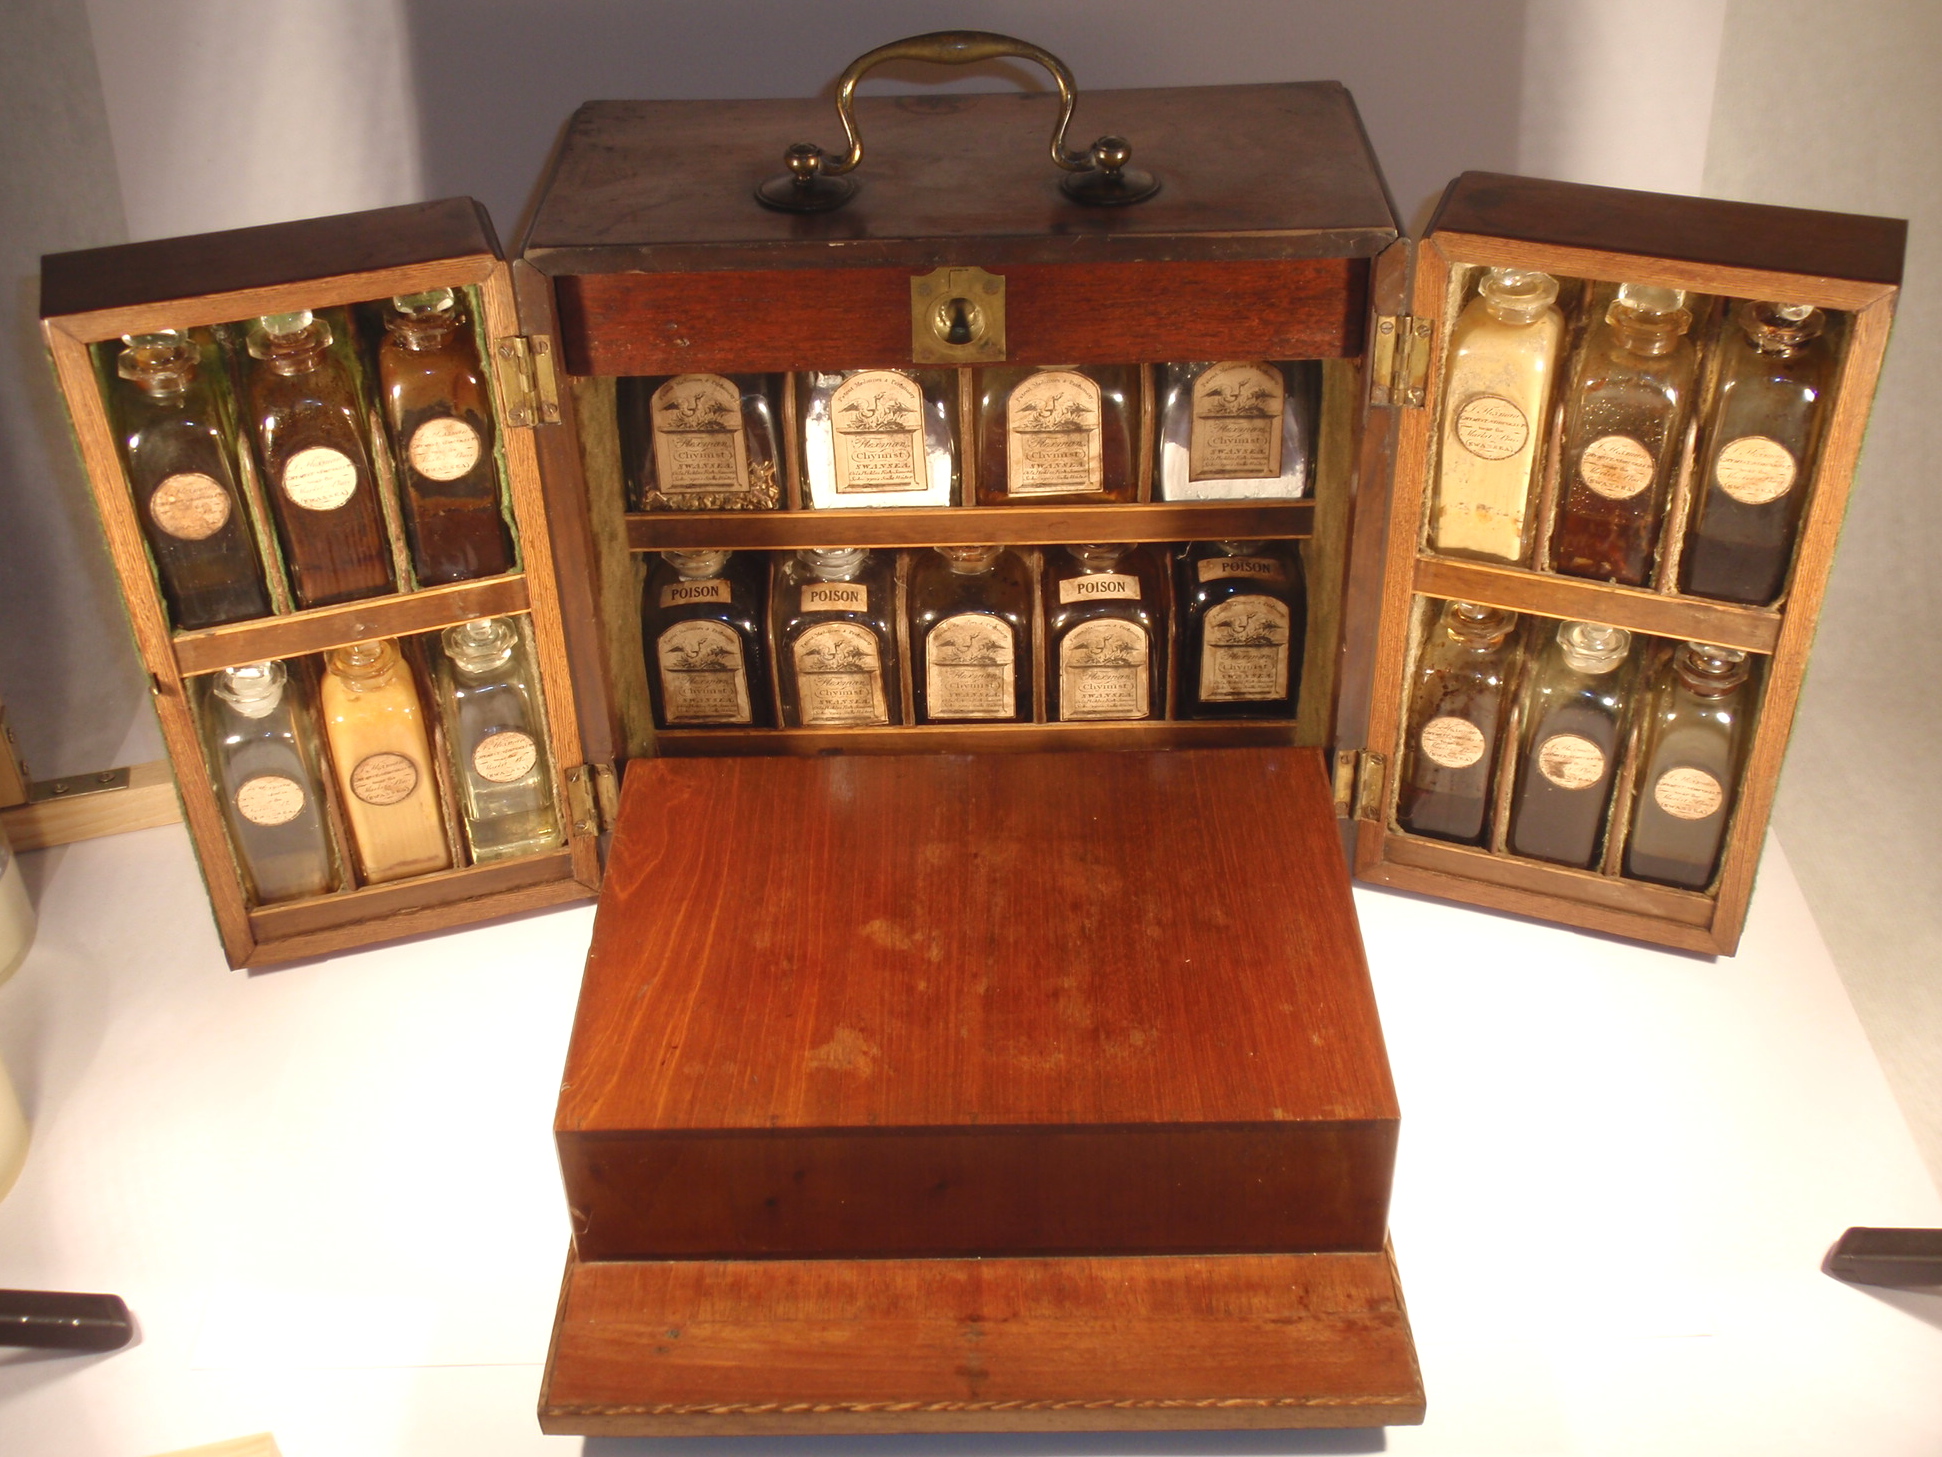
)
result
[(878, 420), (969, 666), (1755, 469), (1052, 439), (1688, 794), (384, 779), (1491, 427), (269, 800), (319, 478), (1236, 433), (698, 441), (1571, 761), (505, 757), (1102, 671), (683, 594), (444, 449), (1455, 743), (839, 676), (190, 506), (1616, 467), (704, 675), (1099, 586), (1244, 651)]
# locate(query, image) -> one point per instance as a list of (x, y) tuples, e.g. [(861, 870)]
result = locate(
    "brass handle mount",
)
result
[(815, 182)]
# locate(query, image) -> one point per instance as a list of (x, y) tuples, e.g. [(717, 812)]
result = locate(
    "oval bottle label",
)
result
[(319, 478), (384, 779), (444, 449), (1688, 794), (1571, 761), (504, 757), (1616, 467), (1755, 469), (1491, 427), (269, 800), (1455, 743), (190, 506)]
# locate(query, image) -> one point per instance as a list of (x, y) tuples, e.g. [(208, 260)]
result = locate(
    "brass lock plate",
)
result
[(957, 316)]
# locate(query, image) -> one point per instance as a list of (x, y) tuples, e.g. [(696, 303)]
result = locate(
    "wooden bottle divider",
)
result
[(983, 738)]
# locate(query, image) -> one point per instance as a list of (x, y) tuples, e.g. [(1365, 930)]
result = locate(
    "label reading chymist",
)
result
[(384, 779), (704, 674), (269, 800), (190, 506), (444, 449), (699, 445), (878, 420), (1244, 651), (1102, 671), (319, 478), (505, 757), (969, 668), (839, 676), (1100, 586), (1052, 437), (1236, 433)]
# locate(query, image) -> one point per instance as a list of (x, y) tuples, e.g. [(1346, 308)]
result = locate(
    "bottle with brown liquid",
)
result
[(308, 423), (438, 409), (1243, 621), (1105, 634), (1691, 759), (1058, 435), (836, 639), (701, 625), (1576, 707), (1625, 415), (1456, 721), (268, 770), (1758, 453), (382, 756), (177, 445), (701, 442), (971, 634)]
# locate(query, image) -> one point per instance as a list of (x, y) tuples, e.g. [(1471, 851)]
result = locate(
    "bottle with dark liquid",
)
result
[(1691, 759), (1758, 453), (264, 755), (179, 451), (1576, 707), (836, 639), (1053, 436), (1456, 720), (701, 442), (308, 424), (1624, 416), (701, 625), (1105, 634), (438, 409), (1243, 623), (971, 634)]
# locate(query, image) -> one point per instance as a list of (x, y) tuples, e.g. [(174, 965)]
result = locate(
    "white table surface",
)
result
[(329, 1193)]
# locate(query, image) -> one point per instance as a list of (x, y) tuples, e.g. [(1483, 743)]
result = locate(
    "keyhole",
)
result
[(959, 321)]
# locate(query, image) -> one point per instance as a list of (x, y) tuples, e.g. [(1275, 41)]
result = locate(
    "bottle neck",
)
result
[(365, 667), (422, 333), (970, 561), (1097, 556)]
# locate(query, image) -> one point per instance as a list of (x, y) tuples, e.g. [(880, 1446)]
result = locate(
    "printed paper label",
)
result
[(1236, 434), (1688, 794), (1491, 427), (1052, 440), (1455, 743), (1102, 671), (269, 800), (698, 441), (384, 779), (1616, 467), (190, 506), (444, 450), (1261, 568), (839, 675), (1096, 586), (835, 597), (505, 757), (1571, 761), (1755, 469), (682, 594), (704, 676), (878, 419), (319, 479), (1244, 651), (969, 667)]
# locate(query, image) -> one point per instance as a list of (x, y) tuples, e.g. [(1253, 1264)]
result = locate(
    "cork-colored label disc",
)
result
[(384, 779), (1617, 467), (319, 479), (444, 449), (190, 506), (504, 757), (269, 800), (1688, 794), (1755, 469), (1571, 761), (1455, 743), (1491, 427)]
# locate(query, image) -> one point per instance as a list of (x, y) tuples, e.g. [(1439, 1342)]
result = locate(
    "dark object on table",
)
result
[(1898, 1259), (60, 1320)]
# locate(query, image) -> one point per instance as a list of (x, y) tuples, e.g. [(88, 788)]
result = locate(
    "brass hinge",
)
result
[(1358, 784), (529, 390), (593, 797), (1399, 364)]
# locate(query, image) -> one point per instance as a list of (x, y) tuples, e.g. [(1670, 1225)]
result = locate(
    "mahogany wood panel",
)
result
[(895, 1004), (418, 918), (707, 1348), (856, 318)]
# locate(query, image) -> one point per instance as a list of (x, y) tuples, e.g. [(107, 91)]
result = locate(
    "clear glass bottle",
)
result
[(176, 441), (971, 634), (268, 772), (880, 437), (1576, 706), (701, 625), (1496, 402), (1243, 624), (378, 746), (701, 442), (1758, 453), (1105, 633), (836, 638), (438, 409), (1691, 766), (307, 421), (495, 733), (1236, 430), (1624, 416), (1457, 709), (1058, 434)]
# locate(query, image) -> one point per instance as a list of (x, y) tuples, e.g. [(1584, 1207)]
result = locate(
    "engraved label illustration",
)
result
[(704, 678), (1102, 671), (698, 441), (190, 506), (1244, 651), (878, 417), (319, 479), (444, 449), (1491, 427), (1455, 743), (1261, 568), (384, 778), (1052, 442), (505, 757), (969, 661), (1616, 467), (1754, 470), (269, 800), (1237, 424), (1688, 794), (1571, 761), (839, 676), (1122, 586), (682, 593)]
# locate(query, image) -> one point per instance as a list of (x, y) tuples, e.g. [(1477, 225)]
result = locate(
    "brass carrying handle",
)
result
[(815, 182)]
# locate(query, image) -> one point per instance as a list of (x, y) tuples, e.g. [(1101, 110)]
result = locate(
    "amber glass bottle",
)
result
[(701, 442), (701, 626), (1691, 765), (308, 426), (971, 634), (836, 639), (379, 747), (1456, 719), (1058, 435), (1243, 619), (1105, 634), (179, 452), (1576, 707), (1624, 416), (438, 409)]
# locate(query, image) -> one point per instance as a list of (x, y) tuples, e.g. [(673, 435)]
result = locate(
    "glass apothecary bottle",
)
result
[(1058, 435), (880, 437), (971, 634), (268, 771), (177, 443), (701, 627), (1496, 402), (701, 442), (1243, 620), (1691, 756), (1236, 430), (835, 637), (307, 422), (1758, 453), (1624, 418), (495, 734), (438, 409), (1576, 706), (381, 753), (1105, 633), (1458, 703)]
